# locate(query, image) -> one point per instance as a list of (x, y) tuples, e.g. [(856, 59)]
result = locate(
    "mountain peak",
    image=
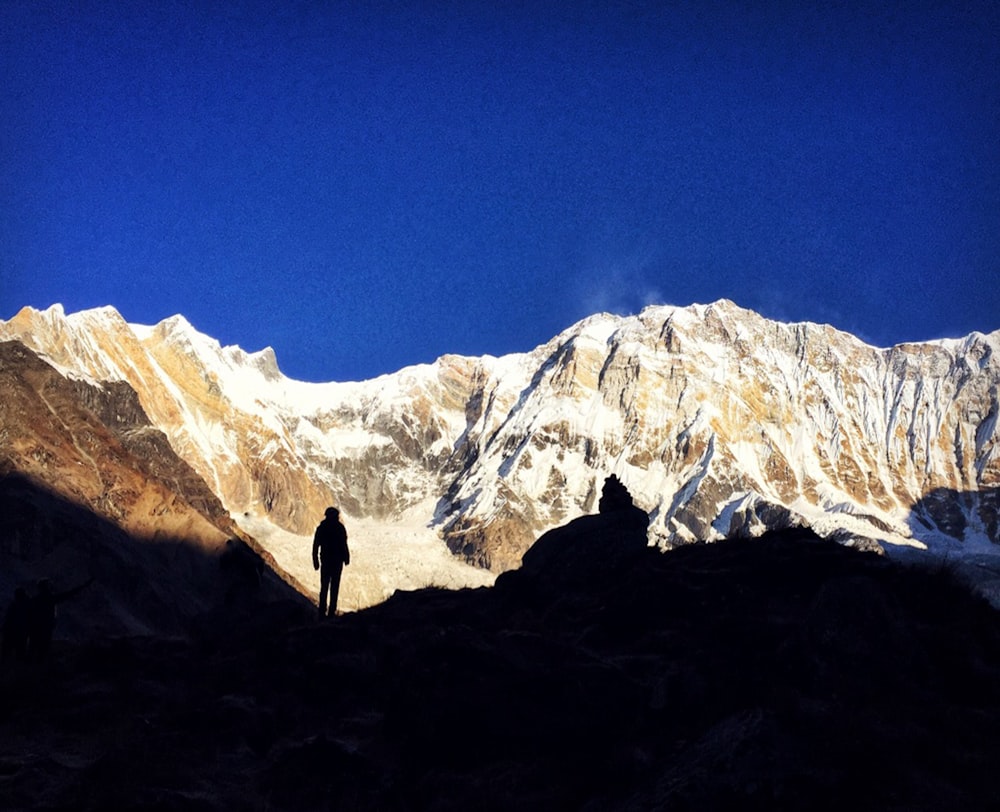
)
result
[(28, 312), (264, 361), (54, 314), (176, 326), (721, 423)]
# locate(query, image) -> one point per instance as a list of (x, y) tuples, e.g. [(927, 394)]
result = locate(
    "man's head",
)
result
[(333, 514)]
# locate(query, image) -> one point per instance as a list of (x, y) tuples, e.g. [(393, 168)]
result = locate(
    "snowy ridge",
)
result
[(719, 422)]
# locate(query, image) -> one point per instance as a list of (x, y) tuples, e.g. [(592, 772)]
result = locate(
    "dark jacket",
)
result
[(330, 544)]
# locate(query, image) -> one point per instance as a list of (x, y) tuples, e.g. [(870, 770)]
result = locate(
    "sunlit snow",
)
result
[(385, 558)]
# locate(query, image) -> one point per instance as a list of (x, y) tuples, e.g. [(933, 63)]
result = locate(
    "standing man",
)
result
[(330, 547)]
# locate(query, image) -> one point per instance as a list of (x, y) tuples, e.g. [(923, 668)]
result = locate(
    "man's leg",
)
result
[(324, 585), (335, 587)]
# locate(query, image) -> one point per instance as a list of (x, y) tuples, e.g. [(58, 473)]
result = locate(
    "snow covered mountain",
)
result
[(720, 422)]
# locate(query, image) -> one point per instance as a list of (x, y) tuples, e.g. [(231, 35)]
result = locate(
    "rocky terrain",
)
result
[(784, 671), (73, 450), (90, 489), (180, 481), (94, 444), (721, 422), (137, 585), (779, 673)]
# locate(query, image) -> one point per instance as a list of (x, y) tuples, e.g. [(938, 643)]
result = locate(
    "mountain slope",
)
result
[(94, 445), (724, 423), (91, 492), (719, 421)]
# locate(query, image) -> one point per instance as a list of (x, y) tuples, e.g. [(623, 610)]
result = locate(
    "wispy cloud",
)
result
[(622, 286)]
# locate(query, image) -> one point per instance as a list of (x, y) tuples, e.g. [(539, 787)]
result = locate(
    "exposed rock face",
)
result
[(95, 446), (721, 423), (265, 444), (90, 490)]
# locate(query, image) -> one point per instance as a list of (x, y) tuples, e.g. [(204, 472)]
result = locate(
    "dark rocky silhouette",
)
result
[(42, 616), (777, 673), (243, 572), (614, 496), (16, 626), (163, 586), (330, 555), (590, 545)]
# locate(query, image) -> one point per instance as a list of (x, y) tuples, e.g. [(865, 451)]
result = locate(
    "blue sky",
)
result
[(364, 186)]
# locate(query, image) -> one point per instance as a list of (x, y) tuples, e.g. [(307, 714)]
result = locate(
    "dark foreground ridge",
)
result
[(776, 673)]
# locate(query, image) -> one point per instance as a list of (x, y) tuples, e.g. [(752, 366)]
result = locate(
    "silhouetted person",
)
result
[(330, 548), (16, 624), (42, 616)]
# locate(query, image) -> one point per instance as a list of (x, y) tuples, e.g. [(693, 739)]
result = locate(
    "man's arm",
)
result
[(316, 550)]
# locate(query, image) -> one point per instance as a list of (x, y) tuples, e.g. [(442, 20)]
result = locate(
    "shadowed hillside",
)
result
[(777, 673), (960, 513), (94, 445), (161, 586)]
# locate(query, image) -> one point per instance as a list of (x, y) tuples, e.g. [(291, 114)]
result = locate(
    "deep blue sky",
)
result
[(368, 185)]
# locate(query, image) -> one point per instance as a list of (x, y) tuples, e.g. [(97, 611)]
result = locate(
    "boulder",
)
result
[(590, 546)]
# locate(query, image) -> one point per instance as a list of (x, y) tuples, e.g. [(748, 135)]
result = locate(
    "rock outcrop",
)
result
[(588, 546), (89, 489)]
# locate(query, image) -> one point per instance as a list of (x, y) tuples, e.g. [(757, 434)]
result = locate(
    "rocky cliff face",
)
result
[(265, 444), (720, 422), (723, 423), (94, 446), (91, 491)]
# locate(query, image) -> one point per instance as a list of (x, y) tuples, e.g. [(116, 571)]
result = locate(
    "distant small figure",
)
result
[(42, 616), (16, 624), (330, 548)]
